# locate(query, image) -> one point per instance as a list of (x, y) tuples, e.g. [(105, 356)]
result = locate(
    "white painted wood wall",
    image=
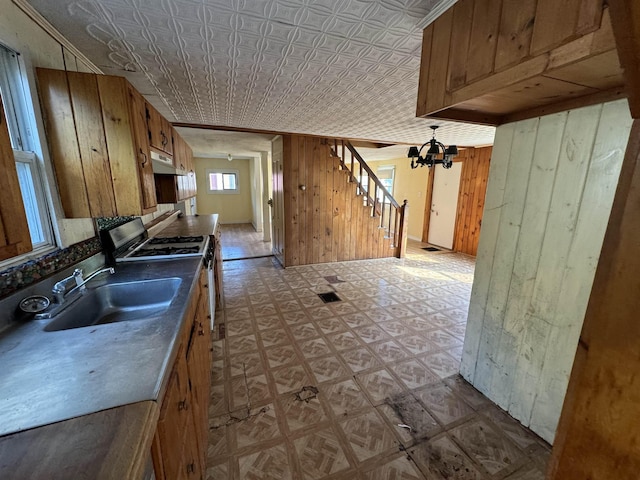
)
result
[(550, 191)]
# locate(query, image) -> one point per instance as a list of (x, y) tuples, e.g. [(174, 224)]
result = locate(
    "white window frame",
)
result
[(209, 171), (40, 197), (392, 169), (23, 113)]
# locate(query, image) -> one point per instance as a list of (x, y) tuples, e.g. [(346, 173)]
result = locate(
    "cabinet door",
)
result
[(75, 129), (63, 142), (199, 364), (159, 130), (192, 467), (178, 151), (87, 113), (141, 145), (14, 230), (167, 133), (175, 414), (128, 179)]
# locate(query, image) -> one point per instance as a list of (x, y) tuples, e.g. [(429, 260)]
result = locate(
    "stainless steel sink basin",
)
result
[(117, 302)]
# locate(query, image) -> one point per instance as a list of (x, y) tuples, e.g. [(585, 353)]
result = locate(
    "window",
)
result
[(222, 181), (386, 175), (20, 122)]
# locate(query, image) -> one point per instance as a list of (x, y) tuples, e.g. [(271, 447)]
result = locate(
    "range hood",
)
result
[(163, 164)]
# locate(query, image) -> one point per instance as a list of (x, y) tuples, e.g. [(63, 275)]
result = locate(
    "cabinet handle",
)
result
[(191, 468), (183, 405), (144, 155)]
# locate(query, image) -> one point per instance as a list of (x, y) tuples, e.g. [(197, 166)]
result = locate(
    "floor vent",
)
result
[(329, 297), (431, 249)]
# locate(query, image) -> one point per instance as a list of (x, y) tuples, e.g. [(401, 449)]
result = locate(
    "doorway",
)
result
[(444, 205)]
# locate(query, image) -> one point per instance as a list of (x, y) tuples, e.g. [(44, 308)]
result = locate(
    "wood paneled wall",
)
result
[(551, 186), (473, 188), (325, 219)]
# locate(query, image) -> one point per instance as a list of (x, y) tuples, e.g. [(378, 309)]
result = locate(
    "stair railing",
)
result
[(392, 216)]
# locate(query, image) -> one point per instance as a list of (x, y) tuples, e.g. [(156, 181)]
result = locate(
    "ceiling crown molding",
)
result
[(438, 10), (51, 30)]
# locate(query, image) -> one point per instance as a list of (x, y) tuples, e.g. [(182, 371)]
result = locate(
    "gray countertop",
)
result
[(191, 225), (48, 377)]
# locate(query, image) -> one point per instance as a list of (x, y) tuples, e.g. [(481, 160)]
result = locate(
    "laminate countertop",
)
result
[(190, 225), (86, 399)]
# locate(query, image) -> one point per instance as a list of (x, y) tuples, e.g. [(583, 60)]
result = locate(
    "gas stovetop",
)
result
[(130, 242), (171, 240), (155, 252)]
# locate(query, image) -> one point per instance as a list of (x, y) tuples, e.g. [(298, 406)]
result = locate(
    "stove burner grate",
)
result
[(167, 240), (154, 252)]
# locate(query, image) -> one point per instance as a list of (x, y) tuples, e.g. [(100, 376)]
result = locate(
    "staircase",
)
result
[(336, 209), (386, 218)]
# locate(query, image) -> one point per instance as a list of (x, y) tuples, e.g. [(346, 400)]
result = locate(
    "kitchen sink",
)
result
[(117, 302)]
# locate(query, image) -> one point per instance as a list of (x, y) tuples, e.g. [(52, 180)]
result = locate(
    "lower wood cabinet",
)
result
[(180, 443)]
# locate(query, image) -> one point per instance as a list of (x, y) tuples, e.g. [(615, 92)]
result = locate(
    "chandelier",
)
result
[(435, 149)]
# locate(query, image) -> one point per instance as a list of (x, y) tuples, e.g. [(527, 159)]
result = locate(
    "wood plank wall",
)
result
[(551, 186), (473, 188), (325, 219)]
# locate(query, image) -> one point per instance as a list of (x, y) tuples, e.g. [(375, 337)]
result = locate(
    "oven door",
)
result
[(209, 260), (212, 293)]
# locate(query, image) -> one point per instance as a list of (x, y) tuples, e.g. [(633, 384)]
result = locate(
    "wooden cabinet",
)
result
[(14, 230), (498, 61), (183, 156), (99, 155), (159, 130), (180, 444), (145, 168), (175, 188)]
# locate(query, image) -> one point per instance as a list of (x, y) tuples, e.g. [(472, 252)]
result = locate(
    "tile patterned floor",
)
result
[(307, 390), (240, 240)]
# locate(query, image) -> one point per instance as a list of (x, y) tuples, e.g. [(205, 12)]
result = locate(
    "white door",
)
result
[(267, 192), (277, 200), (444, 205)]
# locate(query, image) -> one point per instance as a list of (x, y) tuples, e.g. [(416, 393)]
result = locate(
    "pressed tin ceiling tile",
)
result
[(330, 67)]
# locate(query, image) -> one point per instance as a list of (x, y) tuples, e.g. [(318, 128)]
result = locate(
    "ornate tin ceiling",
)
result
[(344, 68)]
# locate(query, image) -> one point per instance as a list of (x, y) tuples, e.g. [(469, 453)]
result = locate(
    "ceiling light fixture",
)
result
[(434, 150), (229, 157)]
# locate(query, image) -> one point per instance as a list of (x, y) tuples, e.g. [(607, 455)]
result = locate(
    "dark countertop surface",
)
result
[(49, 377), (191, 225)]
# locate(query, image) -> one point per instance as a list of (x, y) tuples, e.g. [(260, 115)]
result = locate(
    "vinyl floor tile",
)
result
[(321, 454), (268, 464), (368, 435), (305, 390), (487, 447)]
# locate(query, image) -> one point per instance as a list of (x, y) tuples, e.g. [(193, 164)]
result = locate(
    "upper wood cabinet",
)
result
[(175, 188), (138, 111), (496, 61), (14, 229), (159, 130), (98, 148)]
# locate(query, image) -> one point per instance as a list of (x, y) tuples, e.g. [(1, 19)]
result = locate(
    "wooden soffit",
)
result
[(497, 61)]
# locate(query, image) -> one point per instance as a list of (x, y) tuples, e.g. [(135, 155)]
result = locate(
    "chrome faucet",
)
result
[(59, 290)]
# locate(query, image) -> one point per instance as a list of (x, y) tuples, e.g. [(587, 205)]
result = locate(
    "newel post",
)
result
[(404, 229)]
